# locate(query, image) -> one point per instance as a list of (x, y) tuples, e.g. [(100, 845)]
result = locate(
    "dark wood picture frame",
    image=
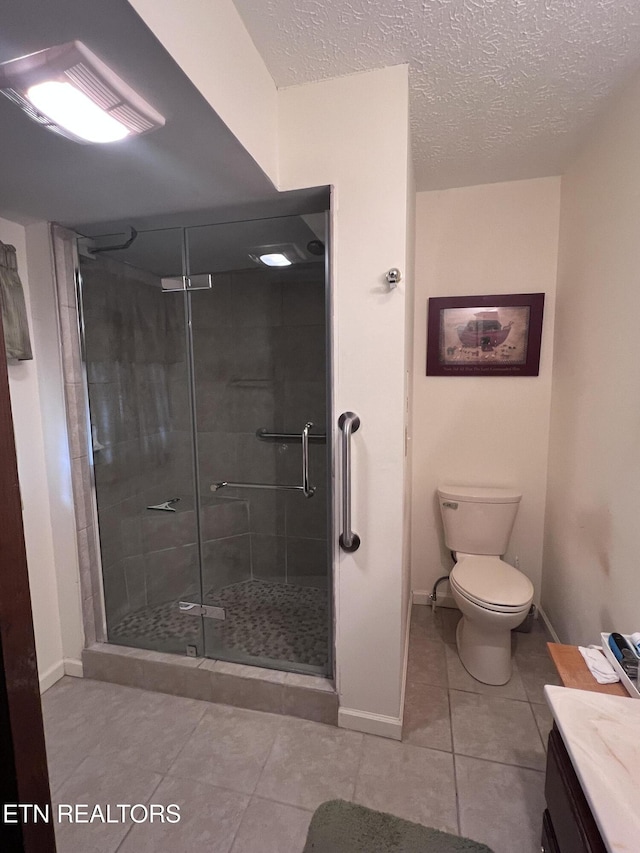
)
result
[(496, 335)]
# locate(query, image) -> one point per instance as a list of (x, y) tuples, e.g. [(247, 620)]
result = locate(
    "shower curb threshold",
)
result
[(309, 697)]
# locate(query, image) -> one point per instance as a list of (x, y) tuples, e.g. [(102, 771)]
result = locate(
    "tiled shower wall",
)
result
[(260, 355), (259, 341), (132, 343)]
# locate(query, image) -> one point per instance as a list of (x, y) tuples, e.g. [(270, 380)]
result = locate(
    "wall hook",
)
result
[(393, 277)]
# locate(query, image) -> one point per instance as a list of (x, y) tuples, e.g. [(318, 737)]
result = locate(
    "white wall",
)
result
[(27, 405), (489, 239), (209, 42), (56, 443), (592, 535), (409, 379), (337, 132)]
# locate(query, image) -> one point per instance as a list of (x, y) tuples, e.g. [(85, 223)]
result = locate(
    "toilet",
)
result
[(493, 597)]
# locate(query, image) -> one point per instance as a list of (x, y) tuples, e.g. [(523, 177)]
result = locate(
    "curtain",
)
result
[(14, 310)]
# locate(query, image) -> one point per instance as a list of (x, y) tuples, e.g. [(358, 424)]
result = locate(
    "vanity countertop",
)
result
[(602, 736)]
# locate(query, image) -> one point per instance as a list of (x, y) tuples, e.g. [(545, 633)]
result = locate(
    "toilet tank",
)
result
[(478, 520)]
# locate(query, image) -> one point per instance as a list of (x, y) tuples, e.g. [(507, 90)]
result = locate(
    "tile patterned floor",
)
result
[(247, 782), (265, 619), (497, 735)]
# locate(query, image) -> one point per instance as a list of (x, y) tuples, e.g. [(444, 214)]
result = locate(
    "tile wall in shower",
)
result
[(259, 343), (260, 362), (135, 347)]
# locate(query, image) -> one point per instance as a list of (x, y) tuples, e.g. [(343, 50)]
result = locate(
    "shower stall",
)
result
[(207, 375)]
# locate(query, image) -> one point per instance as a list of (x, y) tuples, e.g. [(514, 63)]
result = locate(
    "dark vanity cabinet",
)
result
[(567, 824)]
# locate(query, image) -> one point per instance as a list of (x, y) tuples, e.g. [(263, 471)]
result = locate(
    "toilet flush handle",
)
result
[(450, 504)]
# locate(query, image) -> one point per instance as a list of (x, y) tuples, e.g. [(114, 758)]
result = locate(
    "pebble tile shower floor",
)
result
[(471, 760), (265, 619)]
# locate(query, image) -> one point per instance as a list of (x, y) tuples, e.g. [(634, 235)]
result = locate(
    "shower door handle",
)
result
[(307, 489), (348, 423)]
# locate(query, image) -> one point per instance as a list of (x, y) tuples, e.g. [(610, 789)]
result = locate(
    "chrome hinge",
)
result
[(192, 608)]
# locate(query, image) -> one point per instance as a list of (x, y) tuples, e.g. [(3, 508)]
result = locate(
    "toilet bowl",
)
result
[(492, 595), (493, 598)]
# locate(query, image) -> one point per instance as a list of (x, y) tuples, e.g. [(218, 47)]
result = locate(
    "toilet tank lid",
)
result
[(479, 494)]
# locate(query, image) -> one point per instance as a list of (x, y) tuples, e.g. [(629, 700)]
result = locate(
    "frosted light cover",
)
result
[(72, 110), (275, 259)]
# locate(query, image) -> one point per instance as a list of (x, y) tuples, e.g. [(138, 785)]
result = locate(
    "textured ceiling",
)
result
[(500, 89)]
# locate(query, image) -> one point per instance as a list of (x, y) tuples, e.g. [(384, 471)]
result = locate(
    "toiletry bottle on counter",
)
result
[(635, 639)]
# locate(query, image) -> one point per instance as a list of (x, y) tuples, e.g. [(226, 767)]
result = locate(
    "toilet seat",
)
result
[(492, 584)]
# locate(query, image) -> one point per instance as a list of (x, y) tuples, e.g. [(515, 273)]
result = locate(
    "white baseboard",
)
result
[(53, 674), (68, 666), (371, 724), (73, 667), (379, 724), (422, 596), (548, 625)]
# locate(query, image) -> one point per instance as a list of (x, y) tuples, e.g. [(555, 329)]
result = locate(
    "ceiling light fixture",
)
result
[(70, 91), (275, 259), (277, 254)]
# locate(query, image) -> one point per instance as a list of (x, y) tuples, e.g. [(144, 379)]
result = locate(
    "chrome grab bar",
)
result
[(348, 423), (263, 434), (306, 488), (274, 486)]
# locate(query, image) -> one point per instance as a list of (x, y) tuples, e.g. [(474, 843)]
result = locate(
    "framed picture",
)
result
[(485, 335)]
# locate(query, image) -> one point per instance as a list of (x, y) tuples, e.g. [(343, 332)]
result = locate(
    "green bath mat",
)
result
[(341, 827)]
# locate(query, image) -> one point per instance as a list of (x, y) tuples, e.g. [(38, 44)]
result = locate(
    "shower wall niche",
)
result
[(179, 385)]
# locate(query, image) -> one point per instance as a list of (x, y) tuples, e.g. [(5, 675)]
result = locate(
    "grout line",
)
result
[(489, 695), (359, 768), (500, 763), (251, 535), (148, 800), (535, 719), (436, 749), (204, 782), (240, 822), (455, 786), (188, 737), (281, 803), (422, 746), (453, 752), (273, 743)]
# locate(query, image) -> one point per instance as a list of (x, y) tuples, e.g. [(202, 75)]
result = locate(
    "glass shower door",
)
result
[(137, 358), (259, 347), (212, 506)]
